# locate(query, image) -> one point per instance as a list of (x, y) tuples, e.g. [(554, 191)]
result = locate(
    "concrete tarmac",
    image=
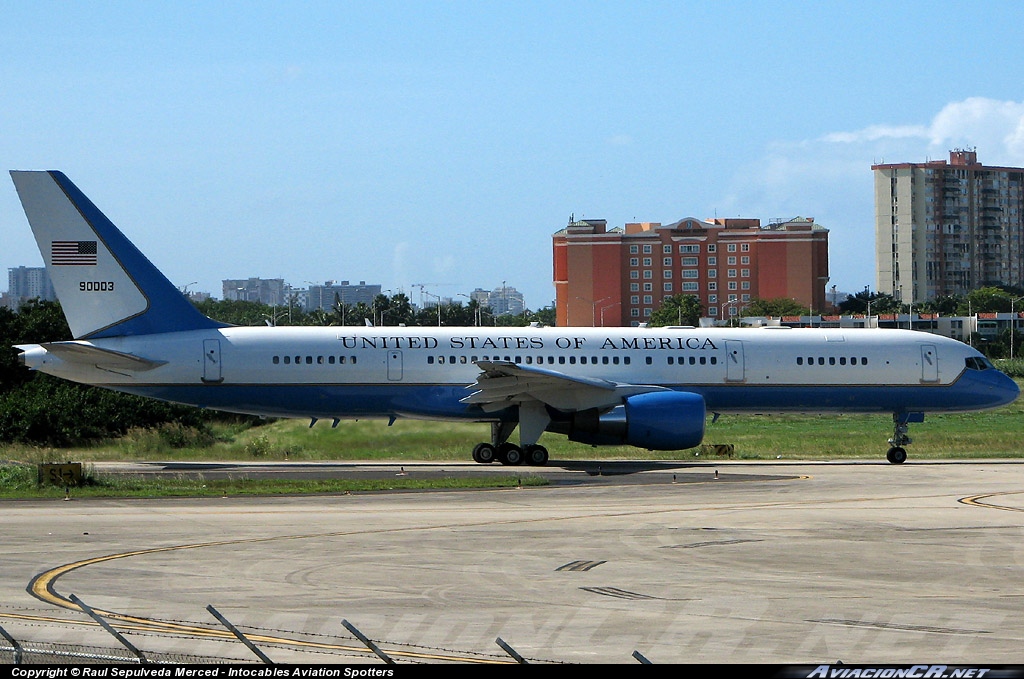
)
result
[(767, 563)]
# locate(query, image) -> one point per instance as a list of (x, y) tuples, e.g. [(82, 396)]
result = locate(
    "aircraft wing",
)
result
[(105, 359), (503, 383)]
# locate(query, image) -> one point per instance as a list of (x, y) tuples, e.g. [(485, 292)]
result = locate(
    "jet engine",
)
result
[(657, 420)]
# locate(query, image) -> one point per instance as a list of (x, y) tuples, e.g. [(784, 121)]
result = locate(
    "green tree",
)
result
[(987, 300), (394, 310), (36, 322), (865, 302), (546, 316), (778, 306), (677, 310), (236, 312), (947, 305)]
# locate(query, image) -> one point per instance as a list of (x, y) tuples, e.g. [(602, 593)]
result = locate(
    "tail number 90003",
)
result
[(96, 286)]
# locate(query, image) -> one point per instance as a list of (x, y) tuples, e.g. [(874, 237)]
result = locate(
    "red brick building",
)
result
[(619, 277)]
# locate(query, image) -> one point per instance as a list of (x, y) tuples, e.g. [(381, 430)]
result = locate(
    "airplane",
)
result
[(648, 387)]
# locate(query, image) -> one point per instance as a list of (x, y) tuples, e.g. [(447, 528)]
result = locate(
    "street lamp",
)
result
[(726, 306), (609, 306), (476, 310), (438, 298), (593, 308), (1013, 324)]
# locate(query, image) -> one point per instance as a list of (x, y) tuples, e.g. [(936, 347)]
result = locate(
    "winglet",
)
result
[(105, 285)]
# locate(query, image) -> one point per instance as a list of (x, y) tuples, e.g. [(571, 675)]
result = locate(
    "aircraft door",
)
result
[(212, 373), (929, 363), (394, 365), (734, 363)]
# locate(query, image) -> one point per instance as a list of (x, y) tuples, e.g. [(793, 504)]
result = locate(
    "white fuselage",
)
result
[(424, 371)]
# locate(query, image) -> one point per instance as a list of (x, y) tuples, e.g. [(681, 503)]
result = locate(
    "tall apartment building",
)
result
[(947, 228), (28, 282), (270, 291), (324, 296), (618, 277), (506, 300)]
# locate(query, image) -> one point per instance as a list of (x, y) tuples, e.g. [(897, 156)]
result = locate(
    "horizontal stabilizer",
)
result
[(104, 359)]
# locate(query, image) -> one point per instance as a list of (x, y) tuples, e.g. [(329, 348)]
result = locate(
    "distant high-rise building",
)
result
[(947, 228), (270, 291), (25, 283), (480, 296), (619, 277), (506, 300), (324, 296)]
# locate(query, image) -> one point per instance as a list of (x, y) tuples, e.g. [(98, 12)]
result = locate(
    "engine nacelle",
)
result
[(657, 420)]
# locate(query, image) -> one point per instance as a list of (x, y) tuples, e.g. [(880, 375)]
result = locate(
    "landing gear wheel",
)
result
[(510, 454), (483, 453), (896, 455), (536, 456)]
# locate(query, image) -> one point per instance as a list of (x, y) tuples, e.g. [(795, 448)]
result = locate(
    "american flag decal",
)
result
[(73, 253)]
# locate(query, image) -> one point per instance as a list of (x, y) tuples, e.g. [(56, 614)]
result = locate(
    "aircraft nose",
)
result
[(1008, 389)]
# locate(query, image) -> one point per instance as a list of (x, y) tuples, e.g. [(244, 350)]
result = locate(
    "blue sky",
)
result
[(443, 143)]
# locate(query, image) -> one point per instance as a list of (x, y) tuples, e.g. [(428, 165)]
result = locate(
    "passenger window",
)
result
[(648, 360), (277, 359)]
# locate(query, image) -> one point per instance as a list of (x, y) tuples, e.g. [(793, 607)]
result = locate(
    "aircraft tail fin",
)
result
[(105, 285)]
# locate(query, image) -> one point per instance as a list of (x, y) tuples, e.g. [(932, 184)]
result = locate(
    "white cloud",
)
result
[(829, 178), (995, 128), (877, 132), (400, 260)]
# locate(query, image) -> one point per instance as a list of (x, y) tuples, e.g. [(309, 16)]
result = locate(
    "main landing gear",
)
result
[(901, 426), (505, 452), (510, 454)]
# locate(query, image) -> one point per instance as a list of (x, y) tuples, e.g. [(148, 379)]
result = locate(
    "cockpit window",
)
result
[(979, 363)]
